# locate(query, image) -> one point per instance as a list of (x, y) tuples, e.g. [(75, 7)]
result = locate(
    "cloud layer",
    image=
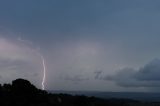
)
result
[(147, 76), (79, 37)]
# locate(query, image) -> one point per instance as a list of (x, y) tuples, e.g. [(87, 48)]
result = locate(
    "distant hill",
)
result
[(141, 96)]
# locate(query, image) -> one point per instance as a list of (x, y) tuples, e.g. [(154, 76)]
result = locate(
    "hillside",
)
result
[(22, 93)]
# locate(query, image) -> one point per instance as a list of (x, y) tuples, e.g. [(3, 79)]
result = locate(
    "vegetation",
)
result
[(22, 93)]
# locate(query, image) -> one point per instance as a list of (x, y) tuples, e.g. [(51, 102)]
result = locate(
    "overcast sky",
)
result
[(93, 45)]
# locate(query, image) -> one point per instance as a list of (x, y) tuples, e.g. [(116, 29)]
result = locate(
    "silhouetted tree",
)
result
[(7, 87), (22, 86)]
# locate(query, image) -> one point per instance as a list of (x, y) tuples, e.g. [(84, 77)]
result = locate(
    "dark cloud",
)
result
[(149, 72), (98, 74), (147, 76)]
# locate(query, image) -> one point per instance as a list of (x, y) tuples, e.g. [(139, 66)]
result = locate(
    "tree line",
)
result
[(22, 93)]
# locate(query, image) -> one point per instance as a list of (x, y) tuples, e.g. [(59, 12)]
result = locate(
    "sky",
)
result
[(88, 45)]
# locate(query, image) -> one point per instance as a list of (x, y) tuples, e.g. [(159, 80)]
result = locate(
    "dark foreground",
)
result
[(22, 93)]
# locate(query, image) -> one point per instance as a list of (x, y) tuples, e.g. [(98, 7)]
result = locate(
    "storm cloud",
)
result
[(147, 76), (78, 39)]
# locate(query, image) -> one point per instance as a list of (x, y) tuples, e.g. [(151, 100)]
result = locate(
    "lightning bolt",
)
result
[(44, 72), (42, 58)]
